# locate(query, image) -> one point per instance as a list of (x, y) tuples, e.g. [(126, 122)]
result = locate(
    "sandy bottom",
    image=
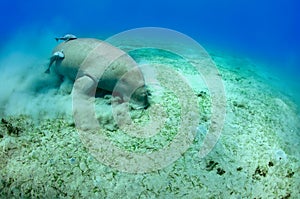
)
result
[(257, 155)]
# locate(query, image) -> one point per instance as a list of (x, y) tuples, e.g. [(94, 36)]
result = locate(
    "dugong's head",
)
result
[(140, 98)]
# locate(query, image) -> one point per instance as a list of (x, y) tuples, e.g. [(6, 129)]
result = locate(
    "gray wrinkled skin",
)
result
[(85, 54)]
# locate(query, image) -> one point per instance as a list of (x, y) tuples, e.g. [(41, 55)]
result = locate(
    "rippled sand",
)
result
[(257, 155)]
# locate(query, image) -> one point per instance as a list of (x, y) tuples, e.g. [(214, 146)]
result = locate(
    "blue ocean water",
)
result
[(266, 31)]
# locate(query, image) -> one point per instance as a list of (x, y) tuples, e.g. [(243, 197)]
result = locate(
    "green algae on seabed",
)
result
[(257, 155)]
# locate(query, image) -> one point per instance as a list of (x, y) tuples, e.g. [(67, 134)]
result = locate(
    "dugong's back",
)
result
[(75, 52), (92, 53)]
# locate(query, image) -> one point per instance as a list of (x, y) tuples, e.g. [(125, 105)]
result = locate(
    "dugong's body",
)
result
[(105, 64)]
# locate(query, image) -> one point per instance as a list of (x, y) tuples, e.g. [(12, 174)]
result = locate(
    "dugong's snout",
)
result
[(140, 98)]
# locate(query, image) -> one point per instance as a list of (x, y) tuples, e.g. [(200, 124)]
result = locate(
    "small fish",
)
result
[(66, 38), (56, 56)]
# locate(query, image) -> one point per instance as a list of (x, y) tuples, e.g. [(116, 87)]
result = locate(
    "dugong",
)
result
[(87, 57)]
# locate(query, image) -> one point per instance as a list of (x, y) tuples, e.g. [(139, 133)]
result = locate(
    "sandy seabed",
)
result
[(257, 155)]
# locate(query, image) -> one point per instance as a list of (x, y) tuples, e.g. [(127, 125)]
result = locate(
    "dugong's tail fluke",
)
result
[(49, 66), (56, 56), (52, 59), (47, 71), (56, 38)]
